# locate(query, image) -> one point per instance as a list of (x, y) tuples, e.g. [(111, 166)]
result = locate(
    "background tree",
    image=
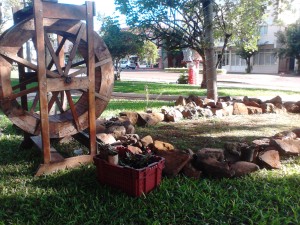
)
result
[(246, 49), (6, 11), (180, 23), (149, 52), (172, 24), (120, 43), (289, 42)]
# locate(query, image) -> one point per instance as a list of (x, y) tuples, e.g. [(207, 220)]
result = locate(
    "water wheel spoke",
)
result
[(52, 100), (22, 84), (60, 103), (84, 70), (73, 110), (23, 93), (34, 103), (53, 55), (74, 49), (25, 63), (60, 47)]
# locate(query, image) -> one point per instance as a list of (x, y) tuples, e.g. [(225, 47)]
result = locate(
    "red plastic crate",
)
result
[(132, 181)]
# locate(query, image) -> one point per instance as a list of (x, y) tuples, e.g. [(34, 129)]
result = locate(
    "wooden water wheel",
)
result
[(85, 79)]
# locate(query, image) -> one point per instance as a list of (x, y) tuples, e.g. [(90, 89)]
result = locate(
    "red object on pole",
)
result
[(192, 74)]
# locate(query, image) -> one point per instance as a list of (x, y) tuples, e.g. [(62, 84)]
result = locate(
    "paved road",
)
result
[(270, 81)]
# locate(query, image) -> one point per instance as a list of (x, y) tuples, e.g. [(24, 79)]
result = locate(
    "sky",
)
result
[(106, 7)]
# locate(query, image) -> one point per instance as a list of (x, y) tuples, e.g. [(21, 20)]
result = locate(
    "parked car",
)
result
[(127, 65)]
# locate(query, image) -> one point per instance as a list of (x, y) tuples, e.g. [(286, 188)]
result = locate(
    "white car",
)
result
[(127, 65)]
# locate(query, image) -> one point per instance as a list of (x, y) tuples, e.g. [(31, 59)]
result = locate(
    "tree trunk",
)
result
[(203, 83), (298, 69), (248, 62), (211, 73)]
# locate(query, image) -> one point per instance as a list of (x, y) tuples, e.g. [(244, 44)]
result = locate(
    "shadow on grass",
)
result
[(75, 197)]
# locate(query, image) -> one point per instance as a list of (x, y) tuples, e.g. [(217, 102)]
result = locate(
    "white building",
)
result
[(265, 60)]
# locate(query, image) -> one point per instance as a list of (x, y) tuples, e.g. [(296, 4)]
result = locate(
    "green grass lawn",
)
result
[(185, 89), (75, 197)]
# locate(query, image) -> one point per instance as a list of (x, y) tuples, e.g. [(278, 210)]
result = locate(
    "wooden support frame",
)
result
[(45, 9)]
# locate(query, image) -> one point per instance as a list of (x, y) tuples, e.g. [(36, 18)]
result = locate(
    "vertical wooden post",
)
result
[(91, 75), (42, 81)]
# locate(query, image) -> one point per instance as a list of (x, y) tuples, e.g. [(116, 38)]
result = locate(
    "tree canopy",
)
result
[(120, 43), (289, 42), (149, 52)]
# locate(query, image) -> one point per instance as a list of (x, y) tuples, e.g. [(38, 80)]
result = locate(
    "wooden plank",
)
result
[(91, 75), (22, 93), (59, 84), (55, 156), (73, 110), (25, 81), (34, 103), (84, 70), (52, 100), (64, 11), (67, 163), (42, 81), (74, 49), (58, 52), (53, 55), (25, 63)]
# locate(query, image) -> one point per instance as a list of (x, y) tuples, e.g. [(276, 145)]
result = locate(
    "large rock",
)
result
[(149, 119), (205, 153), (161, 146), (205, 112), (274, 101), (243, 168), (217, 112), (106, 138), (287, 147), (180, 101), (190, 113), (214, 168), (232, 151), (252, 103), (131, 116), (173, 115), (292, 107), (147, 140), (285, 135), (175, 160), (262, 143), (247, 99), (239, 109), (116, 131), (268, 108), (297, 132), (270, 159), (228, 110), (254, 110)]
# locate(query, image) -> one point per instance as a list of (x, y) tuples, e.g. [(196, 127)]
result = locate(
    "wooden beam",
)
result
[(64, 11), (55, 156), (67, 163), (59, 84), (42, 80), (91, 76)]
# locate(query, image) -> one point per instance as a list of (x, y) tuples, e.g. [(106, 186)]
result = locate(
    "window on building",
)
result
[(263, 30), (236, 60), (265, 57), (225, 58)]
